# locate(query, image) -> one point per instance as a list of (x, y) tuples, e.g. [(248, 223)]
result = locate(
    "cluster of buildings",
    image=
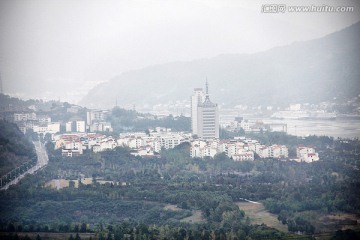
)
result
[(151, 143), (253, 126), (141, 144), (75, 137), (238, 149), (42, 123), (74, 144), (205, 125), (36, 122)]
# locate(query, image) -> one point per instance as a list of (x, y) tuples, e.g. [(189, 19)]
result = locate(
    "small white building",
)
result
[(44, 119), (68, 127), (80, 126), (53, 127), (307, 154), (243, 156), (71, 152)]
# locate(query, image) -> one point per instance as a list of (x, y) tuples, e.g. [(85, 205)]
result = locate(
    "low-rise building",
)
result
[(235, 149), (157, 138), (24, 116), (307, 154), (71, 152), (273, 151)]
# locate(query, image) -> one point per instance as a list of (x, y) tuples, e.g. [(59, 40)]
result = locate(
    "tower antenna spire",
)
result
[(207, 87)]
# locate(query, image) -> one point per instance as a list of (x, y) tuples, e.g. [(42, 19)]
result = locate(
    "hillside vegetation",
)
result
[(15, 148)]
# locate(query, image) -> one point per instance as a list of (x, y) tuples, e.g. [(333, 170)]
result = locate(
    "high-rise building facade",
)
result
[(196, 99), (207, 118)]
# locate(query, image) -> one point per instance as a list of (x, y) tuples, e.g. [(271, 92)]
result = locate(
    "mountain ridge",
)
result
[(309, 71)]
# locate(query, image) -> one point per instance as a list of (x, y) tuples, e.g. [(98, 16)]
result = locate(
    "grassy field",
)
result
[(196, 216), (61, 183), (324, 223), (171, 207), (259, 215)]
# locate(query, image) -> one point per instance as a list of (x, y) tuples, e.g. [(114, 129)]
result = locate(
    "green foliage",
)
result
[(124, 120), (13, 141), (15, 149), (346, 235), (225, 134)]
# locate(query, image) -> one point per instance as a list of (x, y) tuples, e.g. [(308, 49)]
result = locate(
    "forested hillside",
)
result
[(15, 148)]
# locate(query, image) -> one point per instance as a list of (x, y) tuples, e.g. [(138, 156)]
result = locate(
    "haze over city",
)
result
[(193, 119), (62, 49)]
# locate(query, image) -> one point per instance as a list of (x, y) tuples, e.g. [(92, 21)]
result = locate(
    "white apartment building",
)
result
[(105, 144), (100, 127), (307, 154), (95, 116), (24, 116), (80, 126), (68, 127), (207, 119), (273, 151), (40, 128), (53, 127), (237, 150)]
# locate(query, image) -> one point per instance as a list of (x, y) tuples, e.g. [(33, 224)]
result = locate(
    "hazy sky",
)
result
[(60, 49)]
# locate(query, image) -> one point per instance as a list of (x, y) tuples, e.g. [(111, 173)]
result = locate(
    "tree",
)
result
[(83, 227), (220, 157), (77, 237)]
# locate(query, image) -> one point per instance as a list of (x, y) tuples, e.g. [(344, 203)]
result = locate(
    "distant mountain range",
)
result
[(310, 71)]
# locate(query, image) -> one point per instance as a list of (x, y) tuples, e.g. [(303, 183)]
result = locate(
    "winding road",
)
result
[(42, 160)]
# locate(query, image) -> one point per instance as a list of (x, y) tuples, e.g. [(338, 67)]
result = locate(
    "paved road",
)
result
[(42, 160)]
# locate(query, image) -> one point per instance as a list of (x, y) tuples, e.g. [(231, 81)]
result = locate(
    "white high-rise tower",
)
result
[(207, 118), (196, 99)]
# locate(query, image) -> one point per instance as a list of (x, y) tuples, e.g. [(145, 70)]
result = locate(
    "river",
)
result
[(340, 127), (343, 128)]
